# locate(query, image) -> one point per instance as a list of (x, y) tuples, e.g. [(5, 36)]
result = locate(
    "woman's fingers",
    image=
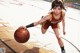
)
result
[(21, 27)]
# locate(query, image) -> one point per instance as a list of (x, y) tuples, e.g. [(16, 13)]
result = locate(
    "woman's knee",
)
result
[(59, 37), (43, 30)]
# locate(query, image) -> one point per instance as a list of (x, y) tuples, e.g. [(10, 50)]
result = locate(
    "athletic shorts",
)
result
[(47, 23)]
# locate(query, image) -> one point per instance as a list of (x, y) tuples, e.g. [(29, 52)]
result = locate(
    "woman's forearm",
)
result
[(38, 22), (63, 26)]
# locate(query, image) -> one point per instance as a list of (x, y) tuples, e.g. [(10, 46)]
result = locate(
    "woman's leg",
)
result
[(56, 31), (43, 30), (44, 26)]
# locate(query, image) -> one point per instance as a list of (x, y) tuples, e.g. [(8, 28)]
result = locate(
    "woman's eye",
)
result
[(54, 8), (59, 8)]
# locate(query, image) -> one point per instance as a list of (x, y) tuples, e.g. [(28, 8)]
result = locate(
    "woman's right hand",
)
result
[(22, 27)]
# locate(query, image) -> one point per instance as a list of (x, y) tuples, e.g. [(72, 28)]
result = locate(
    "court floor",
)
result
[(17, 13)]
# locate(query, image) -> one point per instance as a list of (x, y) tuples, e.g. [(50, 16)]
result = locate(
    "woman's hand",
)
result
[(22, 27), (64, 32)]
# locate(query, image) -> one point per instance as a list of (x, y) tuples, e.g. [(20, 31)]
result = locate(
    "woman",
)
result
[(53, 19)]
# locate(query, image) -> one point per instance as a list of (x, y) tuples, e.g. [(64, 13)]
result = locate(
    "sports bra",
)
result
[(56, 20)]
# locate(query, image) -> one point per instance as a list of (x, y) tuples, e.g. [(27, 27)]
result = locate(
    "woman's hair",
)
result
[(57, 3)]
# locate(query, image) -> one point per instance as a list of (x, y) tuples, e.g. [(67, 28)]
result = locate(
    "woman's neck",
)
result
[(56, 16)]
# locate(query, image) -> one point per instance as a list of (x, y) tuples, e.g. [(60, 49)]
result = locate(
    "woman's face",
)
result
[(57, 10)]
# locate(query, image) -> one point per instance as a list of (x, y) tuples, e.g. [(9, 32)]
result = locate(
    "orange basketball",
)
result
[(21, 35)]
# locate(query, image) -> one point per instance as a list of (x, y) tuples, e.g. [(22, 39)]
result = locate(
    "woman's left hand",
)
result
[(64, 32), (22, 27)]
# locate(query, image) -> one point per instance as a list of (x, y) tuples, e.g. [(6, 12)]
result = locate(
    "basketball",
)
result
[(21, 35)]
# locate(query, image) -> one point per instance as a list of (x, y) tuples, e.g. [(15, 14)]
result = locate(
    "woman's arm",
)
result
[(42, 20), (63, 23), (47, 17)]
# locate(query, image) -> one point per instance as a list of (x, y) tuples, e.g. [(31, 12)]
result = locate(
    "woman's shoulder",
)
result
[(47, 16), (63, 13)]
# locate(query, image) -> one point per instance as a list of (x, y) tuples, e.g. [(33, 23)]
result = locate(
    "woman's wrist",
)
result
[(30, 25)]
